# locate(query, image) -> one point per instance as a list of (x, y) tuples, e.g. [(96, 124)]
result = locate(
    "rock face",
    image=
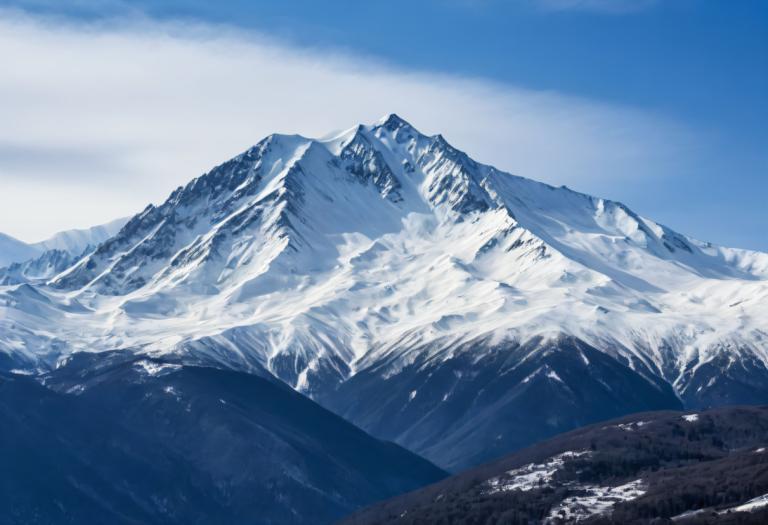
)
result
[(115, 438), (509, 398), (655, 467), (47, 265), (429, 298)]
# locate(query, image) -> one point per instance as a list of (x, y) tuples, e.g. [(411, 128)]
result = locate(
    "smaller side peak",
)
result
[(283, 138), (393, 122), (335, 143), (439, 142), (359, 131)]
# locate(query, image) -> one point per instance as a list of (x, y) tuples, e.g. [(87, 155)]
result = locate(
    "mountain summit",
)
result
[(429, 298)]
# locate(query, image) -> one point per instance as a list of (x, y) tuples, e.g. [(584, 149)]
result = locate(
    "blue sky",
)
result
[(698, 68)]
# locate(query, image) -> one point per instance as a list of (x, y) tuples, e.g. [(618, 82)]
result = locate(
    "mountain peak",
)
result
[(393, 122)]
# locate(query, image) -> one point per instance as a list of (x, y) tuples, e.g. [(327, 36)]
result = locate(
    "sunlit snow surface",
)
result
[(531, 476), (314, 259), (588, 500), (596, 500), (156, 369), (753, 504), (631, 427)]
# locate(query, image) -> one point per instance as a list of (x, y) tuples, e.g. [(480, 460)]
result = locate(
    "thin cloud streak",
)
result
[(114, 116)]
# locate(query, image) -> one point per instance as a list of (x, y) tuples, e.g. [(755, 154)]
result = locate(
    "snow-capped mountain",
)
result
[(13, 250), (69, 243), (383, 257), (78, 240)]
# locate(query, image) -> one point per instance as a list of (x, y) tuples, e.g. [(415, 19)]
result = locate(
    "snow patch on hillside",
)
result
[(156, 369), (595, 500), (531, 476), (752, 505)]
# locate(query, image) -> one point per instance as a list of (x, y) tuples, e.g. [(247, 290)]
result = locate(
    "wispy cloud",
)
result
[(108, 117), (599, 6)]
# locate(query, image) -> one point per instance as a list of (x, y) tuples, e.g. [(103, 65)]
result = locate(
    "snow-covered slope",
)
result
[(77, 241), (42, 268), (69, 243), (384, 253), (13, 250)]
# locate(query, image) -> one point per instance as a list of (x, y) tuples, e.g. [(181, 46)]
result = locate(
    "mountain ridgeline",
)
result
[(458, 310)]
